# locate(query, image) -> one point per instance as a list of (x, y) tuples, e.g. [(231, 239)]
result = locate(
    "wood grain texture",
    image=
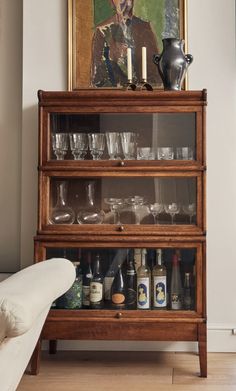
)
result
[(106, 371)]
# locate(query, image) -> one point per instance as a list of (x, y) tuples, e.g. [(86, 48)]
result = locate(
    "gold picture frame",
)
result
[(81, 30)]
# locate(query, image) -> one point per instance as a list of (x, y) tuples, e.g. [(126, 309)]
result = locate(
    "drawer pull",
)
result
[(119, 315), (122, 164), (121, 228)]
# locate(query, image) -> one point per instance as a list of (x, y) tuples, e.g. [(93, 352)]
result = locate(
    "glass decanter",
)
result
[(62, 213), (90, 214)]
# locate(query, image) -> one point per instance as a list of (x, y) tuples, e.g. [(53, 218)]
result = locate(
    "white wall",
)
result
[(212, 42), (10, 133)]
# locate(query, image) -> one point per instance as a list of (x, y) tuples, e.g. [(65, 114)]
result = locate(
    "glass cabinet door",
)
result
[(144, 137), (111, 202), (170, 281)]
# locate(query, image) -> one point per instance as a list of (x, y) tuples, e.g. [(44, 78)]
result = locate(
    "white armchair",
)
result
[(25, 299)]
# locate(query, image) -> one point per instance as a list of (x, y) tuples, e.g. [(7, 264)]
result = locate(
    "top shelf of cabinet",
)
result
[(116, 129)]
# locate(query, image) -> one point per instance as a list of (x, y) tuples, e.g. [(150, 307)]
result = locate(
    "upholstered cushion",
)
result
[(24, 295)]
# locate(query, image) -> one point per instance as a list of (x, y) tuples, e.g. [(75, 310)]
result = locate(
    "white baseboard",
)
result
[(220, 339)]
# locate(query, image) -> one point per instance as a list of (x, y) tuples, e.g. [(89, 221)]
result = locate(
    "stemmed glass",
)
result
[(155, 210), (78, 145), (172, 209), (128, 142), (135, 202), (115, 206), (96, 145), (190, 210), (60, 145), (113, 139)]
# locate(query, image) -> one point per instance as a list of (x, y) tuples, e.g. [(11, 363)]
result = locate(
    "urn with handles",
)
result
[(172, 63)]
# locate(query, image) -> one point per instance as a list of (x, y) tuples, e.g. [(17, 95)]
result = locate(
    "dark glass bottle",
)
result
[(72, 299), (118, 290), (131, 283), (96, 286), (187, 292), (108, 280), (87, 278)]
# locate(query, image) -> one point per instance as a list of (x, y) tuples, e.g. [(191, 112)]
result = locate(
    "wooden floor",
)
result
[(131, 371)]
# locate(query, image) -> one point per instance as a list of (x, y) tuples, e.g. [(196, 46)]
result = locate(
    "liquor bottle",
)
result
[(118, 290), (159, 282), (176, 285), (108, 280), (131, 283), (187, 292), (143, 284), (72, 299), (87, 278), (137, 258), (96, 286)]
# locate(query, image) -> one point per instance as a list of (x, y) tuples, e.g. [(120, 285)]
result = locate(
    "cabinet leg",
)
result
[(202, 347), (35, 359), (52, 346)]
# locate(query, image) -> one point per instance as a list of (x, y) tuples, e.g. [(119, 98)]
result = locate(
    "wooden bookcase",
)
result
[(158, 119)]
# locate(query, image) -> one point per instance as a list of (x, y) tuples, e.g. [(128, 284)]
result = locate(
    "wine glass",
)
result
[(172, 209), (155, 210), (113, 139), (135, 202), (128, 142), (115, 206), (78, 145), (96, 145), (190, 210), (60, 145)]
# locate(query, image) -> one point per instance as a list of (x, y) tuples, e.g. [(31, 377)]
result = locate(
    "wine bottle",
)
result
[(131, 282), (108, 280), (159, 282), (96, 286), (87, 278), (118, 290), (176, 285), (72, 299), (187, 292), (143, 284)]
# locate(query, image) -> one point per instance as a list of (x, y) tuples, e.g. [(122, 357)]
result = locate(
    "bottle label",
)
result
[(118, 298), (96, 292), (143, 296), (86, 295), (107, 287), (176, 303), (159, 291)]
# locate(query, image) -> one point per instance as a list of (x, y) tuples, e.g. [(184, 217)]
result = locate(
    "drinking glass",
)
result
[(136, 202), (165, 153), (145, 153), (184, 153), (60, 145), (115, 206), (96, 145), (155, 210), (128, 142), (172, 209), (190, 210), (113, 139), (78, 145)]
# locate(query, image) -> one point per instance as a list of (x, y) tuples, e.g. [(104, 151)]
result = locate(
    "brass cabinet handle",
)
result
[(122, 164), (121, 228), (119, 315)]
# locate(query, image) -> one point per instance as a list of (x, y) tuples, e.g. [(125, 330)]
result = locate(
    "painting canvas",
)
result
[(100, 31)]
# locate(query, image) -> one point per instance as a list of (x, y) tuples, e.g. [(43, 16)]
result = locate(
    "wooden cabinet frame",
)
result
[(133, 324)]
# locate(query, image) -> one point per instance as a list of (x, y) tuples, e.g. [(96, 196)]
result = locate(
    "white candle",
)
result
[(129, 64), (144, 63)]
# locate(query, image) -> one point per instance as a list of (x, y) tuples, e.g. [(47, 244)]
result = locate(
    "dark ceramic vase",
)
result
[(172, 63)]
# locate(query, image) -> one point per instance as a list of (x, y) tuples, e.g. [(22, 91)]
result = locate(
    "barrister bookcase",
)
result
[(152, 154)]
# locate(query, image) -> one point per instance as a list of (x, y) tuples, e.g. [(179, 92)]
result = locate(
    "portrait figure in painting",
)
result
[(111, 39)]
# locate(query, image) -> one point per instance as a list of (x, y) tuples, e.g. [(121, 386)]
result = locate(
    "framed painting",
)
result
[(101, 31)]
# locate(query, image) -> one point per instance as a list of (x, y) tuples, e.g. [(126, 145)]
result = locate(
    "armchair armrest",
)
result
[(24, 295)]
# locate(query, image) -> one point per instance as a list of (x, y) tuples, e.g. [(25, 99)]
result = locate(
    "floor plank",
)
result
[(128, 371)]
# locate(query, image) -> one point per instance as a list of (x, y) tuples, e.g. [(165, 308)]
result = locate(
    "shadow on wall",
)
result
[(29, 184)]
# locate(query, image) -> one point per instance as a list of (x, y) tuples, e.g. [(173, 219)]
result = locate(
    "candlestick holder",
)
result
[(144, 85), (130, 85)]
